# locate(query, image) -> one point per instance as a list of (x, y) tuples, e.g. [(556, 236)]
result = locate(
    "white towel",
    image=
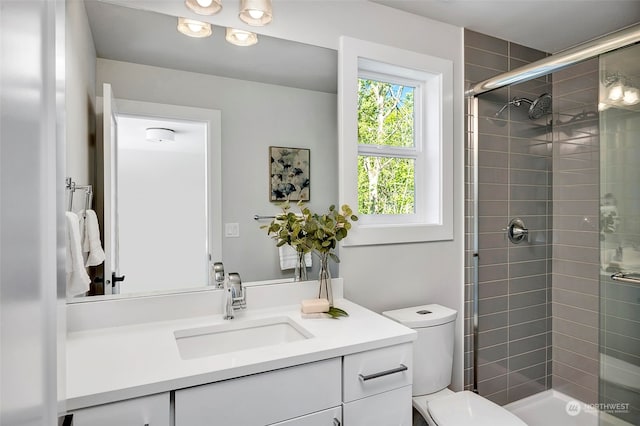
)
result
[(91, 239), (289, 257), (77, 278)]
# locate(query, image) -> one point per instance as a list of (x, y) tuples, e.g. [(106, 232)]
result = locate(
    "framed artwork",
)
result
[(289, 173)]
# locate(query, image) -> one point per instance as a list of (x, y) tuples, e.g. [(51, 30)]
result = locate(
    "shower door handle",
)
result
[(516, 231)]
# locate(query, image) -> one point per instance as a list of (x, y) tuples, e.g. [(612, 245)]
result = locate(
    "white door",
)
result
[(110, 155)]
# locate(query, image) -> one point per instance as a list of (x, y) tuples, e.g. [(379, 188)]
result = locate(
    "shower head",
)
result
[(540, 106), (537, 107)]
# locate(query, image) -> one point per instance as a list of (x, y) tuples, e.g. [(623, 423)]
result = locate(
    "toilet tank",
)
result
[(433, 349)]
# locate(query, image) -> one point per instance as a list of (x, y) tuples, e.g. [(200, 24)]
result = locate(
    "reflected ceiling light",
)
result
[(160, 134), (193, 28), (616, 91), (255, 12), (631, 96), (241, 37), (204, 7)]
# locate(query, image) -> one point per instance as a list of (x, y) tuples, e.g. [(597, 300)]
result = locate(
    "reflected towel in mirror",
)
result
[(91, 239), (77, 278), (289, 257)]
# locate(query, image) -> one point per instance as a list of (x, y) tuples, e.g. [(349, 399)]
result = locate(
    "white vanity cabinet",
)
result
[(287, 396), (377, 387), (153, 410)]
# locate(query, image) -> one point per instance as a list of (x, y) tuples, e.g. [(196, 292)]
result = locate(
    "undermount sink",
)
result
[(238, 335)]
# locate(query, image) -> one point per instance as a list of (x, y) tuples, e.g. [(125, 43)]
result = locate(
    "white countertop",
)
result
[(115, 363)]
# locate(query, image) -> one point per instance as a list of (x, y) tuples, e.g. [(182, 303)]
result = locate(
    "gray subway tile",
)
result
[(528, 374), (493, 385), (575, 329), (492, 337), (493, 305), (525, 53), (576, 300), (531, 313), (489, 322), (518, 347), (582, 347), (523, 300), (493, 272), (523, 269), (569, 373), (570, 313), (536, 282), (527, 359), (526, 329), (486, 42), (486, 59), (493, 288), (527, 389), (492, 354), (571, 358)]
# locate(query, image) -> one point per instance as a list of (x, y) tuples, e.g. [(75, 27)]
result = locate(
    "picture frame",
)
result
[(289, 174)]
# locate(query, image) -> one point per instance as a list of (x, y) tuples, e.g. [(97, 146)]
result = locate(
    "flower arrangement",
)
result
[(312, 232)]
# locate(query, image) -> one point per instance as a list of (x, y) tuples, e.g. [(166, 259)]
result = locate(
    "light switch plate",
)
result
[(231, 230)]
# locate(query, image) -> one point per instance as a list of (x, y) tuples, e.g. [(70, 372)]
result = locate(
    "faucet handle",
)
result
[(237, 292), (218, 274)]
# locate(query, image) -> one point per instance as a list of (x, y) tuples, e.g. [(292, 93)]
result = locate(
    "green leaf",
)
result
[(336, 313)]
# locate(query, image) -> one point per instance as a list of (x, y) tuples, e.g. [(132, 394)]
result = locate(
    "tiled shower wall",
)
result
[(576, 238), (549, 179), (514, 159)]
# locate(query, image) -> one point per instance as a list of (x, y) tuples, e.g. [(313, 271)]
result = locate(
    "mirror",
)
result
[(276, 93)]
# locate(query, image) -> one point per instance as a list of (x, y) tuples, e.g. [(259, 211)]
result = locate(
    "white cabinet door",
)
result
[(330, 417), (149, 410), (391, 408)]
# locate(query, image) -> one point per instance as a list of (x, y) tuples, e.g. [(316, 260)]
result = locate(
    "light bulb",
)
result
[(195, 27), (631, 96), (616, 91), (603, 106), (204, 3), (256, 14), (241, 37)]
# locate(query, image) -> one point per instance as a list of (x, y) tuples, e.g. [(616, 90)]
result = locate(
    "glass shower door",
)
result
[(619, 107)]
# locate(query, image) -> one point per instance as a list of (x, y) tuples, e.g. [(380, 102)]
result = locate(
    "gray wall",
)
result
[(514, 159), (254, 117)]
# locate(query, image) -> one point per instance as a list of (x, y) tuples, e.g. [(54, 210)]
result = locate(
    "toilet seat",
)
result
[(468, 408)]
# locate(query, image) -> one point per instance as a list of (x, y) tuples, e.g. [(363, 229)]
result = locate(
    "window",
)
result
[(389, 158), (395, 143)]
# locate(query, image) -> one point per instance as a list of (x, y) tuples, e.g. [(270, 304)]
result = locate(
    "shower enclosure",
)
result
[(553, 211)]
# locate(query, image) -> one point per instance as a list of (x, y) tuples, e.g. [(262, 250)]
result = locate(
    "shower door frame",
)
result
[(548, 65)]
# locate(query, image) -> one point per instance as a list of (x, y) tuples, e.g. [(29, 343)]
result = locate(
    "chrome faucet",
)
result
[(235, 296)]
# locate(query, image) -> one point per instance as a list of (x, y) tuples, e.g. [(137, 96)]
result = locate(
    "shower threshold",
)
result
[(553, 408)]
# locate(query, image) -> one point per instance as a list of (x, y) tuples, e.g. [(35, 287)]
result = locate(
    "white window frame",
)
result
[(433, 141)]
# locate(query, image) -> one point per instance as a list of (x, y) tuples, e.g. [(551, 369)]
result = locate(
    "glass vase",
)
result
[(300, 273), (324, 279)]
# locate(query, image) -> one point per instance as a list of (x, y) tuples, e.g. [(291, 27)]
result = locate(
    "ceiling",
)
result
[(547, 25)]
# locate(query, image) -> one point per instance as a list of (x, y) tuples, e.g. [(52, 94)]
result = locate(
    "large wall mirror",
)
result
[(275, 93)]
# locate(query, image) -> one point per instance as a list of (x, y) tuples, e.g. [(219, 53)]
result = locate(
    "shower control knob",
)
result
[(516, 231)]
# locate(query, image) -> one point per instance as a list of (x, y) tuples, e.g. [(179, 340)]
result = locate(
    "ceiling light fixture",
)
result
[(204, 7), (631, 96), (193, 28), (618, 91), (160, 134), (255, 12), (241, 37)]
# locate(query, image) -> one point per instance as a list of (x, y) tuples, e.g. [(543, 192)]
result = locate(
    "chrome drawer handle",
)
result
[(383, 373)]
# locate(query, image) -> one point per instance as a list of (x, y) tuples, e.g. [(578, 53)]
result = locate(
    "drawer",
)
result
[(379, 370), (330, 417), (261, 399), (150, 410), (392, 408)]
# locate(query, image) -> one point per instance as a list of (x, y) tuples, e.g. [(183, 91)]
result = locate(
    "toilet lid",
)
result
[(467, 408)]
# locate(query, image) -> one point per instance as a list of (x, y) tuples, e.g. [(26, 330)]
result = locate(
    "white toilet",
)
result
[(433, 362)]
